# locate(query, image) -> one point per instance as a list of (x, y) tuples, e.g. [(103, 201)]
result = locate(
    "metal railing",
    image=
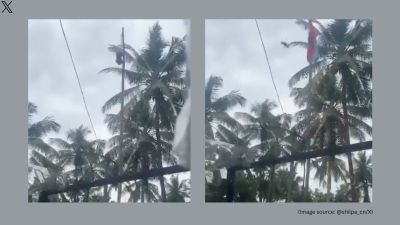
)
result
[(43, 195), (291, 158)]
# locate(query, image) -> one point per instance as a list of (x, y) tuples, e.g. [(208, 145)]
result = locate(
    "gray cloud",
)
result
[(234, 52)]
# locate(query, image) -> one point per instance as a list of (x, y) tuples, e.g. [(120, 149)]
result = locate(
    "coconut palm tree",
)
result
[(327, 135), (216, 115), (323, 122), (270, 130), (343, 193), (318, 196), (139, 189), (245, 187), (177, 190), (325, 112), (93, 169), (38, 130), (47, 172), (79, 152), (345, 51), (328, 167), (285, 182), (139, 143), (295, 143), (44, 164), (238, 150), (216, 108), (107, 168), (307, 71), (349, 49), (158, 76), (363, 174)]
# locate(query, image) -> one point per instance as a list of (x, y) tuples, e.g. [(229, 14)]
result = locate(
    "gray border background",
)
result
[(13, 120)]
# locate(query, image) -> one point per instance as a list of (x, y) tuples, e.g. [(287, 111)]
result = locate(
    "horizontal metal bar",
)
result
[(118, 179), (308, 155)]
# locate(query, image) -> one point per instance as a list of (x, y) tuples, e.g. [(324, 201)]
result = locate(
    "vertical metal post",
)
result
[(122, 114), (122, 83), (43, 197), (230, 177)]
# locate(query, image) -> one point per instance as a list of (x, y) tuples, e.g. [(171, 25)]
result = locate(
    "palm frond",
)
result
[(305, 72), (39, 145), (43, 127), (132, 76), (228, 101), (127, 95), (225, 119)]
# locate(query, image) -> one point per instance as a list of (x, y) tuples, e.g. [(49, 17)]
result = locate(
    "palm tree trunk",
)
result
[(308, 164), (366, 193), (159, 159), (216, 176), (105, 193), (142, 193), (119, 192), (147, 190), (331, 141), (76, 174), (260, 179), (63, 198), (271, 186), (308, 176), (304, 176), (349, 157), (162, 186), (347, 141), (351, 174), (87, 193), (76, 198), (290, 180), (230, 178), (329, 182)]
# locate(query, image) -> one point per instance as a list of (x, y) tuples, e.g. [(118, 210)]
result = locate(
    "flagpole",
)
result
[(119, 192)]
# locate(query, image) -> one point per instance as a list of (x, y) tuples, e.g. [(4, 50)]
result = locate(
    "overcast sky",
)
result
[(234, 52), (52, 83)]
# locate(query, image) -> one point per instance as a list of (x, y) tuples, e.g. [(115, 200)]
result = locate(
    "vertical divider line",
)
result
[(197, 135)]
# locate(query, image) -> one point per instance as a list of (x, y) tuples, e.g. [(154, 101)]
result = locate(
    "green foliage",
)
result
[(318, 196), (363, 174), (178, 191), (216, 191), (343, 194)]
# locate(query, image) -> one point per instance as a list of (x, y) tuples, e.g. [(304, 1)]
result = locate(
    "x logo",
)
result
[(6, 6)]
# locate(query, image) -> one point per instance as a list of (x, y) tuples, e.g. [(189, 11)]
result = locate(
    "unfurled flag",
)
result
[(312, 50)]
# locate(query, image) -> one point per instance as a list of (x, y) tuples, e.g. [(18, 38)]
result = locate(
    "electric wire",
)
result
[(77, 78), (269, 66)]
